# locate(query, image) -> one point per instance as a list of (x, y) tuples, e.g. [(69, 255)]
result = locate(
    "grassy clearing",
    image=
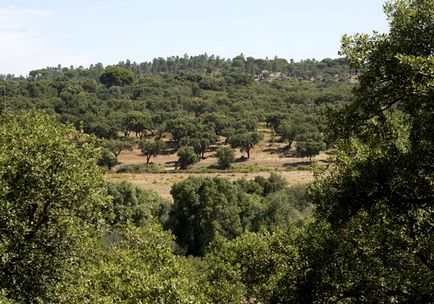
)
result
[(268, 156)]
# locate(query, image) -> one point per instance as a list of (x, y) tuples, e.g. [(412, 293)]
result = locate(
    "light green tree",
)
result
[(51, 194)]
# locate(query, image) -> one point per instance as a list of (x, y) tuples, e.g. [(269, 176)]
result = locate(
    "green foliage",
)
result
[(309, 146), (286, 208), (137, 265), (141, 168), (50, 198), (116, 76), (381, 186), (203, 208), (187, 157), (245, 141), (134, 205), (116, 146), (225, 156), (288, 131), (152, 149), (251, 267), (107, 159)]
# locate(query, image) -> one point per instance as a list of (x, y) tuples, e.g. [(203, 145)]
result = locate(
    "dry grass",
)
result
[(162, 182), (269, 155)]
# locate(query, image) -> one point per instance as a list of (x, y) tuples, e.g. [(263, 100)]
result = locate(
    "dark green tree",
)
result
[(381, 188), (116, 146), (186, 157), (107, 159), (203, 208), (152, 148), (225, 156), (309, 145), (116, 76), (245, 141)]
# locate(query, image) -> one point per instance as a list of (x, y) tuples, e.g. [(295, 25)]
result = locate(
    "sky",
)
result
[(39, 33)]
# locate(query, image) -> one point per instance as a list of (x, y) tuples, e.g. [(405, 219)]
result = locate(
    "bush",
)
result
[(225, 157), (187, 157), (107, 159), (144, 168)]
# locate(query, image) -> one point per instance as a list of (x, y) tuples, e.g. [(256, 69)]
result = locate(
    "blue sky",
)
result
[(40, 33)]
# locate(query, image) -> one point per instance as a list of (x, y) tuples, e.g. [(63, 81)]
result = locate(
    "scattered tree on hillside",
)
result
[(186, 157), (225, 156), (152, 148), (107, 159), (245, 141), (116, 146)]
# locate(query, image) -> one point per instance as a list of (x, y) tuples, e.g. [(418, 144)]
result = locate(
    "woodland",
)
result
[(361, 232)]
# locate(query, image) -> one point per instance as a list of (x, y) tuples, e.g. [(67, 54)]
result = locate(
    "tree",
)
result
[(133, 205), (381, 187), (245, 141), (202, 208), (107, 159), (116, 76), (200, 141), (187, 157), (138, 122), (50, 198), (152, 149), (116, 146), (225, 156), (181, 128), (137, 264), (288, 131), (309, 145)]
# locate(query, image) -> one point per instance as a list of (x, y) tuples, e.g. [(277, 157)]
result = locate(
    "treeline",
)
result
[(309, 69)]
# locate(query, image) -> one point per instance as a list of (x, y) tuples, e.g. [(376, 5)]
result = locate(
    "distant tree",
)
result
[(274, 119), (245, 141), (152, 148), (288, 131), (218, 121), (182, 127), (225, 156), (309, 145), (116, 76), (200, 142), (107, 159), (187, 157), (138, 122), (116, 146)]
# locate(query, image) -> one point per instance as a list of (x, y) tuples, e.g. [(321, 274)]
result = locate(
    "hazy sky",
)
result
[(39, 33)]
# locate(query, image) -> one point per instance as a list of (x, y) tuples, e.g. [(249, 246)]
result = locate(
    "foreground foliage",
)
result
[(51, 194), (63, 240)]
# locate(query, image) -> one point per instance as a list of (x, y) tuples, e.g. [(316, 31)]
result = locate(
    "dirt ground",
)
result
[(269, 154)]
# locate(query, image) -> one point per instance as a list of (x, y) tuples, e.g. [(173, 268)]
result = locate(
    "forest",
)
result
[(73, 229)]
